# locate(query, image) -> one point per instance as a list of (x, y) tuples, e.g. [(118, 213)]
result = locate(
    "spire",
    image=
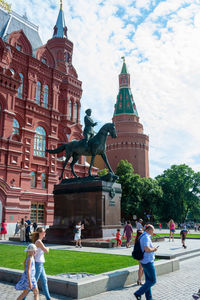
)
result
[(125, 104), (60, 29), (124, 69)]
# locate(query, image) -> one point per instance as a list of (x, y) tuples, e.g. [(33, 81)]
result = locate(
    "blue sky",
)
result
[(161, 42)]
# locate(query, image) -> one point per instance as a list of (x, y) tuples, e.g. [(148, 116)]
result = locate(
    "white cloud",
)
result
[(162, 58)]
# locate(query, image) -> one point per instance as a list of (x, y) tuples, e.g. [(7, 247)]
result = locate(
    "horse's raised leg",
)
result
[(64, 165), (91, 165), (75, 159), (103, 155)]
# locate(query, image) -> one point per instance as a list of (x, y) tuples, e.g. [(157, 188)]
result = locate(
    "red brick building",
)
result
[(131, 143), (39, 108)]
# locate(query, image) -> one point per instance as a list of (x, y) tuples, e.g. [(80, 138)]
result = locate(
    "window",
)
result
[(37, 212), (33, 181), (76, 112), (12, 71), (43, 60), (20, 89), (15, 127), (38, 92), (43, 181), (46, 95), (18, 47), (40, 142), (70, 110)]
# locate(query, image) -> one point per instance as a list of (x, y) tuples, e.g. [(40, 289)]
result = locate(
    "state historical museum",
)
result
[(39, 108)]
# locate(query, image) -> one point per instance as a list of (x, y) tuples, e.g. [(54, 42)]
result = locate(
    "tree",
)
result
[(181, 190), (139, 195), (103, 172)]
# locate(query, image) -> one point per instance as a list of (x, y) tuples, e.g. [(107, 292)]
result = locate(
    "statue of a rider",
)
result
[(89, 124)]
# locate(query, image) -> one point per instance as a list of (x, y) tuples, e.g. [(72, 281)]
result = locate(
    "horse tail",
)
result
[(57, 150)]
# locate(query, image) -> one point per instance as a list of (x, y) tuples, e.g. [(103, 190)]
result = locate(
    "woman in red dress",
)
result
[(3, 228)]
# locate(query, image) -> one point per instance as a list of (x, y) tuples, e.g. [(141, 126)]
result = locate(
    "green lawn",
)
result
[(65, 261), (178, 234)]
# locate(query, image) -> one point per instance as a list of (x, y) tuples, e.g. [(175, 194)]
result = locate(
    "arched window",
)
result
[(15, 127), (38, 92), (20, 89), (40, 141), (33, 181), (76, 112), (70, 109), (43, 181), (46, 95)]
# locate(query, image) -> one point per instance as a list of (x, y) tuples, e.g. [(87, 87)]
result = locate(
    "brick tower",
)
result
[(131, 143)]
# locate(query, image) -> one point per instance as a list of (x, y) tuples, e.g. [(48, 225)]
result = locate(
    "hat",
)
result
[(141, 220), (31, 247)]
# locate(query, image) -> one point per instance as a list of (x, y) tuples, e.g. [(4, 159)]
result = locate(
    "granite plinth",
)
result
[(95, 203)]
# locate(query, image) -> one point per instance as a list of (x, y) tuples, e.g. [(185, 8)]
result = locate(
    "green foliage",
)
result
[(139, 195), (181, 188), (103, 172), (64, 261)]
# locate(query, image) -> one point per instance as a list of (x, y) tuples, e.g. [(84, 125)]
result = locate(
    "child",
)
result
[(183, 234), (77, 236), (28, 281), (118, 238)]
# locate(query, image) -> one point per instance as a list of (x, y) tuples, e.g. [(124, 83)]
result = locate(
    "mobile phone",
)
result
[(157, 246)]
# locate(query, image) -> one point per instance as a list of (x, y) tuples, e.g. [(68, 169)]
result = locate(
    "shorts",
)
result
[(172, 230)]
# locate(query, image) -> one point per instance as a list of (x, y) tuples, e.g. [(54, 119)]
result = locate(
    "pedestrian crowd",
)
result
[(34, 262)]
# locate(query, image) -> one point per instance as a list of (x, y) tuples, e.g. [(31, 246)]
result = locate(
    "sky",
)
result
[(161, 42)]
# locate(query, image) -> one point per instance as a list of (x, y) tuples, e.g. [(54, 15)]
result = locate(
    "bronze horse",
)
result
[(96, 145)]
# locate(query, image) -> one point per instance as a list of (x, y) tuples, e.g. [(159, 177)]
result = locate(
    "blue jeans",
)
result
[(40, 274), (150, 280)]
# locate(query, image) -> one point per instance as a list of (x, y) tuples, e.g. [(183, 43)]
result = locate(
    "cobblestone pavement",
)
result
[(178, 285)]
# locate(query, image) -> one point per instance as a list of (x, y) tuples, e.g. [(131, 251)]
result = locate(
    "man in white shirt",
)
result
[(147, 263), (139, 226)]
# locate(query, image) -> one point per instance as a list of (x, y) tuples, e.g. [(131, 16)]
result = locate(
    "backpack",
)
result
[(137, 251), (75, 230)]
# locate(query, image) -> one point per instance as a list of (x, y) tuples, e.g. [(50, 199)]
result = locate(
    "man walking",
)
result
[(147, 263), (139, 226)]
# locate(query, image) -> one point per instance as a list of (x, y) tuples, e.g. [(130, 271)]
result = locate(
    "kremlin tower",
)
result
[(131, 143)]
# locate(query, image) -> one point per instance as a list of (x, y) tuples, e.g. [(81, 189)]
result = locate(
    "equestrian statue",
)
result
[(91, 145)]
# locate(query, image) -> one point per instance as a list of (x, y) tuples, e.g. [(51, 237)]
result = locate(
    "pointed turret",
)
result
[(125, 103), (124, 69), (59, 45), (60, 29), (131, 143)]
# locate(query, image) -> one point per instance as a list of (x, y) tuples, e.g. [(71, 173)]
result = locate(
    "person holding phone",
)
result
[(147, 264)]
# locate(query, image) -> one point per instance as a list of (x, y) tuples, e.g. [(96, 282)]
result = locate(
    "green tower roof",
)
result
[(125, 104), (124, 69)]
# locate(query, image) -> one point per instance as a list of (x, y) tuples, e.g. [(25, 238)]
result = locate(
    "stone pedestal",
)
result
[(95, 203)]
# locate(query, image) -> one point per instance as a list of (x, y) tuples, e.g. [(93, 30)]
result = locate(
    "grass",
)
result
[(178, 234), (65, 261)]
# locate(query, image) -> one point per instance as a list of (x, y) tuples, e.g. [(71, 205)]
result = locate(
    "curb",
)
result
[(94, 285)]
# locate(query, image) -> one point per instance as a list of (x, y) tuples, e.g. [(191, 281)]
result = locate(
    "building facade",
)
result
[(131, 143), (39, 108)]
